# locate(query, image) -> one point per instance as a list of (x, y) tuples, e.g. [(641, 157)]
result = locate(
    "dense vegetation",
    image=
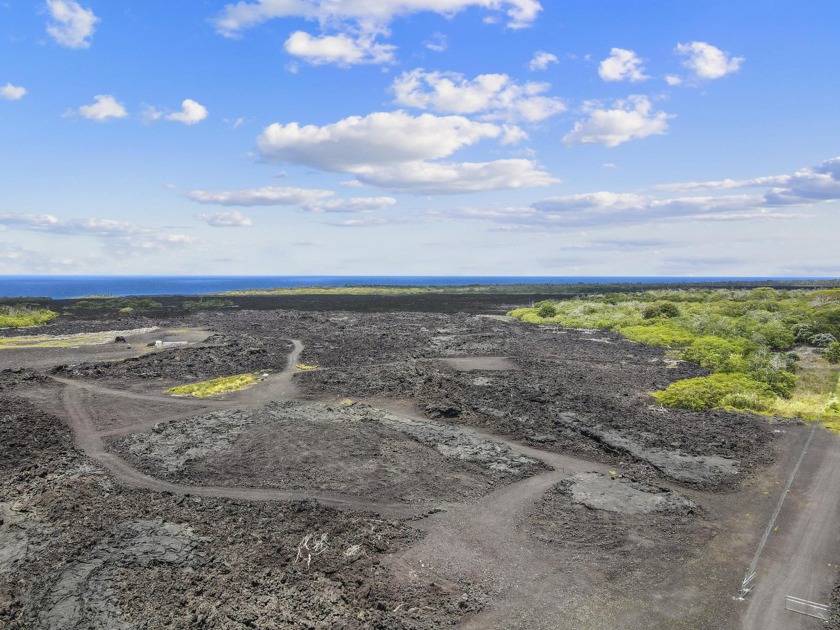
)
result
[(755, 343), (24, 316)]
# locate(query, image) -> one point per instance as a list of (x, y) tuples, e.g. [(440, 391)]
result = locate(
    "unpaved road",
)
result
[(803, 552)]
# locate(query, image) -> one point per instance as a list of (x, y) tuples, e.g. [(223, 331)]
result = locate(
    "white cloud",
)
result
[(541, 60), (807, 189), (376, 13), (394, 150), (495, 96), (708, 62), (726, 184), (268, 196), (11, 92), (673, 80), (436, 178), (629, 119), (234, 218), (622, 65), (353, 205), (115, 234), (191, 113), (381, 138), (104, 107), (438, 42), (71, 25), (341, 49)]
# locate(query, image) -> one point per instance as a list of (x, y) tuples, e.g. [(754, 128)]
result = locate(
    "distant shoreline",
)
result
[(76, 287)]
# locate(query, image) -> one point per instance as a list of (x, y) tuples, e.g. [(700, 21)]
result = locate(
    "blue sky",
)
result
[(427, 137)]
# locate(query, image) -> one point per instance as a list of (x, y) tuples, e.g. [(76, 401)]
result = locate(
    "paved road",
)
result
[(802, 555)]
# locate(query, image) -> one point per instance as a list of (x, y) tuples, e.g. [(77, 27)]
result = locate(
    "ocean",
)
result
[(64, 287)]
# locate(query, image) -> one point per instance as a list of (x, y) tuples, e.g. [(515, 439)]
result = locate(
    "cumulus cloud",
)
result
[(708, 62), (381, 139), (243, 15), (70, 24), (234, 218), (350, 28), (673, 80), (398, 151), (440, 178), (494, 96), (11, 92), (809, 185), (629, 119), (541, 60), (622, 65), (267, 196), (191, 113), (103, 108), (342, 49)]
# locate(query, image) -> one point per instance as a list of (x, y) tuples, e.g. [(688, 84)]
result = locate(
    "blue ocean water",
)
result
[(63, 287)]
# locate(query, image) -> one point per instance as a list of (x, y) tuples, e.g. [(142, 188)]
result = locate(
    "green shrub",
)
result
[(718, 390), (823, 340), (716, 353), (832, 353), (827, 320), (802, 332), (661, 308), (658, 335), (24, 316), (547, 310)]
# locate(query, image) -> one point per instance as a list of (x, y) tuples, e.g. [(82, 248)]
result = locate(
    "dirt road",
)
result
[(802, 555)]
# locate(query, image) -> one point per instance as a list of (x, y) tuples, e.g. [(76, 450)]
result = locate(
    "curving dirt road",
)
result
[(276, 387)]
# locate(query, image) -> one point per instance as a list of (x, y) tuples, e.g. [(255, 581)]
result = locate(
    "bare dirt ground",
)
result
[(447, 469)]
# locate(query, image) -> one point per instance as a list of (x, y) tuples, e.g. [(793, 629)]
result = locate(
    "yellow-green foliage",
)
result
[(24, 317), (717, 353), (216, 386), (658, 335), (304, 367), (740, 335), (717, 390)]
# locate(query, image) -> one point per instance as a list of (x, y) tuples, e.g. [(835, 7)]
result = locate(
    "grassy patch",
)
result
[(24, 317), (305, 367), (123, 305), (217, 386)]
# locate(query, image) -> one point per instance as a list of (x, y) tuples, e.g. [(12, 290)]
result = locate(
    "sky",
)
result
[(420, 137)]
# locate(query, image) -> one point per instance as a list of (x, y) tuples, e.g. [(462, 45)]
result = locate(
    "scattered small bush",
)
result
[(662, 308), (832, 352), (115, 304), (547, 310), (823, 340)]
